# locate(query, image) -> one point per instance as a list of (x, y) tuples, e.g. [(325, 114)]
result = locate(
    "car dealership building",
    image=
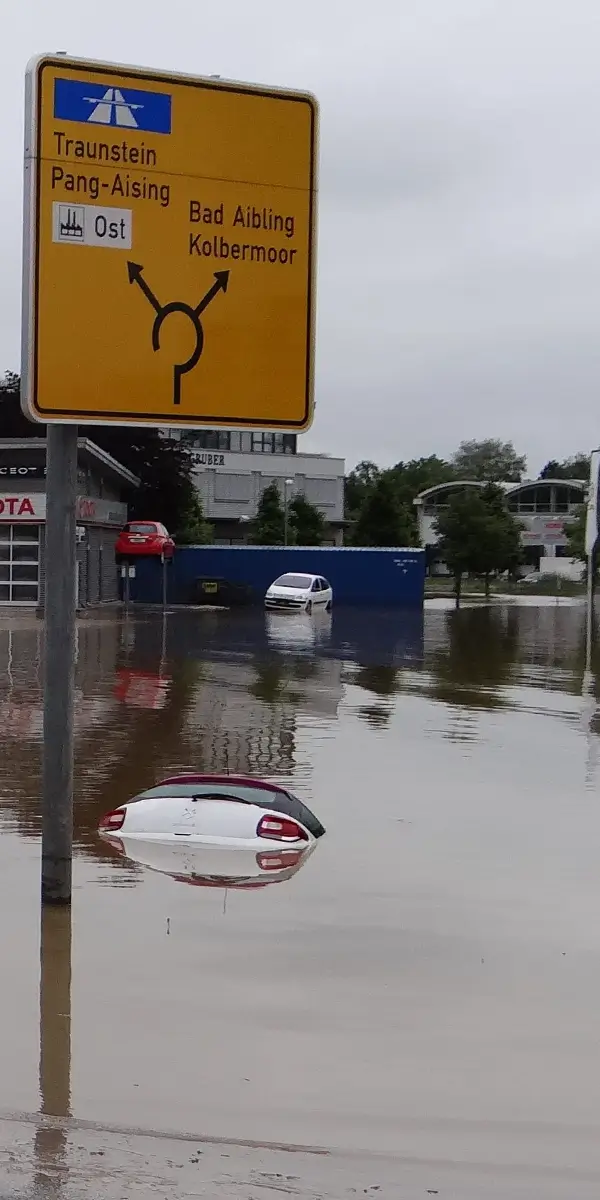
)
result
[(101, 512)]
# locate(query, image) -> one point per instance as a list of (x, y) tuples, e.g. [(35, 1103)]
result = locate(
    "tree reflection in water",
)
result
[(479, 658)]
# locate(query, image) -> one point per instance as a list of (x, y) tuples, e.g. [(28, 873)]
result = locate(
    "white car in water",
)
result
[(296, 592), (215, 810)]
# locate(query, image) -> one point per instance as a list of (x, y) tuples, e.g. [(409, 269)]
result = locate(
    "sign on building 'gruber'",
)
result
[(170, 226)]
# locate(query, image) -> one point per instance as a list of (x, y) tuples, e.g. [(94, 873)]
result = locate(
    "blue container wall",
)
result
[(359, 576)]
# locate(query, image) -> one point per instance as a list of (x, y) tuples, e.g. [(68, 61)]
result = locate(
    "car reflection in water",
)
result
[(213, 866), (297, 631), (141, 689)]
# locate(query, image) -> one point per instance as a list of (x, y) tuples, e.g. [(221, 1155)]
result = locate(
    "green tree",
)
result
[(193, 530), (576, 467), (164, 468), (306, 522), (478, 535), (501, 549), (357, 486), (383, 521), (575, 531), (490, 459), (411, 478), (459, 529), (408, 479), (268, 528)]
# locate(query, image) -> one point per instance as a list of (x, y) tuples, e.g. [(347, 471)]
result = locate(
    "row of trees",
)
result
[(379, 504), (305, 523)]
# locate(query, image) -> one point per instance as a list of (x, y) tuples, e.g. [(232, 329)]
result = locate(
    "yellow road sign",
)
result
[(170, 243)]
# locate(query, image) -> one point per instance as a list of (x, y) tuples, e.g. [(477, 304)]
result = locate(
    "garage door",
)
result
[(19, 564)]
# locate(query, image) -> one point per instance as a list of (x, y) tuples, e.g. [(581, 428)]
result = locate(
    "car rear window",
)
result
[(293, 581), (248, 795), (140, 527)]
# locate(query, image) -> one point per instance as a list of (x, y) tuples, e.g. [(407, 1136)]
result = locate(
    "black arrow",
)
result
[(134, 270), (220, 285)]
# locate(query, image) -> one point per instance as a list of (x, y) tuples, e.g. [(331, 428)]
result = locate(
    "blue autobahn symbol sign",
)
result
[(124, 108)]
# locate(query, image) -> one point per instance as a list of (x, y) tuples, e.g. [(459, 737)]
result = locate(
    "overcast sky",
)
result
[(459, 215)]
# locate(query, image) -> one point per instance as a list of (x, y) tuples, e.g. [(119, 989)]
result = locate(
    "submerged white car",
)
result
[(216, 810), (298, 592)]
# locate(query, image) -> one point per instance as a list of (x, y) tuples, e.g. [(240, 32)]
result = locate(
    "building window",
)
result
[(546, 498), (212, 439), (273, 443), (19, 564), (243, 442)]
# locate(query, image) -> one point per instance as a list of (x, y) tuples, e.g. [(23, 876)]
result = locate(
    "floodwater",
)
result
[(427, 984)]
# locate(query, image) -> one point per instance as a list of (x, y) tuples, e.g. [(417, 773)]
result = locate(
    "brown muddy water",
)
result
[(429, 978)]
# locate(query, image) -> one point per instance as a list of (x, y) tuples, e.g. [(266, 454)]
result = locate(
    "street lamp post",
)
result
[(287, 483), (245, 520)]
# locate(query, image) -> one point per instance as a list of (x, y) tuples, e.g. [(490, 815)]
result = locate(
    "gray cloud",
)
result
[(459, 229)]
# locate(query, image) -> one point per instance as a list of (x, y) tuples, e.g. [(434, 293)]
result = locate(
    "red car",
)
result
[(143, 537)]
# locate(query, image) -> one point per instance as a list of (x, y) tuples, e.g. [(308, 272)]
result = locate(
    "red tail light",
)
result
[(113, 820), (281, 829), (278, 860)]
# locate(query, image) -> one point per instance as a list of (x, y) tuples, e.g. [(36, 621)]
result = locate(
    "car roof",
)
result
[(281, 801), (232, 780)]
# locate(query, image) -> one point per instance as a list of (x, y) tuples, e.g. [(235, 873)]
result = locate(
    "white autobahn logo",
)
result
[(112, 109)]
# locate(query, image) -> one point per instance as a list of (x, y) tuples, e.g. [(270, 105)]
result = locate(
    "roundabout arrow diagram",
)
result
[(134, 271)]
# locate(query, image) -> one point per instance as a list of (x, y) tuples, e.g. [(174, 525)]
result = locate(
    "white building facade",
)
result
[(543, 508), (233, 468)]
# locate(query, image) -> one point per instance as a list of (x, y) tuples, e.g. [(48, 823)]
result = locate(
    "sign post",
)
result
[(59, 664), (169, 280), (163, 567), (591, 540)]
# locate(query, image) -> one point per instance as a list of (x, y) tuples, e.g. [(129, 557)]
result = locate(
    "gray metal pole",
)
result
[(589, 613), (285, 517), (127, 586), (164, 582), (59, 664)]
